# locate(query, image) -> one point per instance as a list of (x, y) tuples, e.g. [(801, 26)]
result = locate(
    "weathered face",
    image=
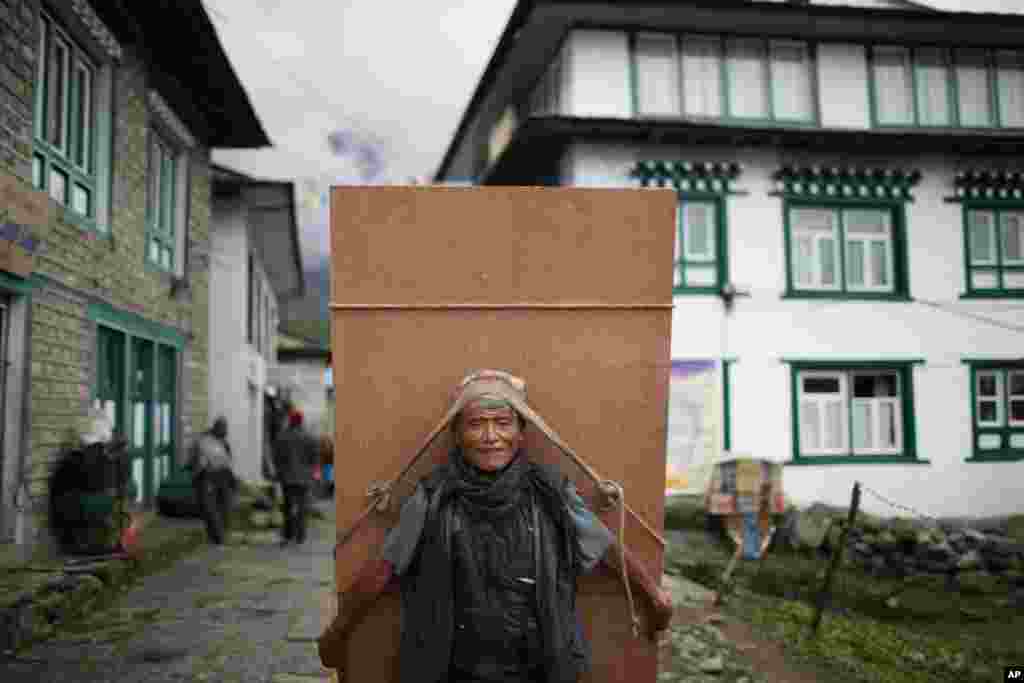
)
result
[(489, 433)]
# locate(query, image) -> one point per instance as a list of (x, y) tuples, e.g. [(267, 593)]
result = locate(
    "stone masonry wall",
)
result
[(17, 72), (79, 268)]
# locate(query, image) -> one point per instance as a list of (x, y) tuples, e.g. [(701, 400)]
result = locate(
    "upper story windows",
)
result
[(64, 160), (928, 86), (717, 77), (161, 203)]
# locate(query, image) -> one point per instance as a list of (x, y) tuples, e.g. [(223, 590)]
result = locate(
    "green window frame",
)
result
[(161, 204), (853, 412), (713, 76), (929, 87), (866, 256), (994, 249), (701, 259), (997, 411), (67, 124)]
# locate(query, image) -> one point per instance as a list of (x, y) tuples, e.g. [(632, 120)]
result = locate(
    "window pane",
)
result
[(37, 172), (973, 88), (988, 384), (699, 230), (981, 238), (990, 441), (791, 81), (804, 258), (812, 220), (855, 264), (984, 279), (810, 432), (827, 259), (821, 385), (1017, 440), (834, 437), (701, 276), (702, 71), (892, 85), (154, 251), (863, 425), (866, 222), (1017, 384), (80, 199), (1013, 279), (932, 72), (747, 87), (1016, 412), (1010, 67), (1012, 224), (657, 88), (887, 437), (155, 167), (41, 78), (881, 385), (879, 264), (988, 412), (58, 185), (56, 110), (83, 127)]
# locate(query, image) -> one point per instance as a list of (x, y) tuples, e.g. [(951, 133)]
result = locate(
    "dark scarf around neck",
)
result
[(428, 593)]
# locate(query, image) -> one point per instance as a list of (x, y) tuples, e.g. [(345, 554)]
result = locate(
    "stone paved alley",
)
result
[(248, 611)]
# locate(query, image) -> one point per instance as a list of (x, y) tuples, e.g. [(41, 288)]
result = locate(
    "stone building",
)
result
[(850, 225), (109, 111)]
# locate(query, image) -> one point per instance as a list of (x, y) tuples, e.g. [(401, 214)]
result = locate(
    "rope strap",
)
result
[(613, 490)]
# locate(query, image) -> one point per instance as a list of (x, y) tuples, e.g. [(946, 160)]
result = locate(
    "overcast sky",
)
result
[(365, 91)]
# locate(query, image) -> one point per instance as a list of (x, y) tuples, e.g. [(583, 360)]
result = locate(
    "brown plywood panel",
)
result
[(438, 245), (598, 374)]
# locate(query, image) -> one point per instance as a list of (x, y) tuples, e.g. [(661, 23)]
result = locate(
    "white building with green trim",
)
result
[(850, 233)]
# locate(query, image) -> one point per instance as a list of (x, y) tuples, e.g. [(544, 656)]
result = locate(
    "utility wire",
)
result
[(972, 316)]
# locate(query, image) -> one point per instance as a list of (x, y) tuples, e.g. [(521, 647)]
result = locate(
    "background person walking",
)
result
[(295, 457), (213, 479)]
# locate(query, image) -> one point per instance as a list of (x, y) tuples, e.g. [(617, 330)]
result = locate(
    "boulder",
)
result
[(810, 528), (969, 560), (974, 538)]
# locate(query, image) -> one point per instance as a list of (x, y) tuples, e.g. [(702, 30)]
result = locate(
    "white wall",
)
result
[(598, 80), (765, 328), (237, 371)]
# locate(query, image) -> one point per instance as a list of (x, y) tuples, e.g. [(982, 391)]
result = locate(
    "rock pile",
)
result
[(979, 554)]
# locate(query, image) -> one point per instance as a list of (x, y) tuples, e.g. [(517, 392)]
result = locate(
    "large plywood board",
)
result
[(569, 289)]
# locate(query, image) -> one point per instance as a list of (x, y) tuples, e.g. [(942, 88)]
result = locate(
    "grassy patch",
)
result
[(876, 630)]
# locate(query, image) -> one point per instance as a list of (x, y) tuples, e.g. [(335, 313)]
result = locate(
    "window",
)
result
[(66, 156), (893, 86), (161, 206), (995, 250), (702, 74), (747, 79), (792, 91), (860, 411), (657, 75), (974, 89), (738, 78), (928, 86), (997, 407), (700, 246), (844, 250)]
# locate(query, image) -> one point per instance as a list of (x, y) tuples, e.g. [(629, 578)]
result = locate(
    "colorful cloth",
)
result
[(745, 486)]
